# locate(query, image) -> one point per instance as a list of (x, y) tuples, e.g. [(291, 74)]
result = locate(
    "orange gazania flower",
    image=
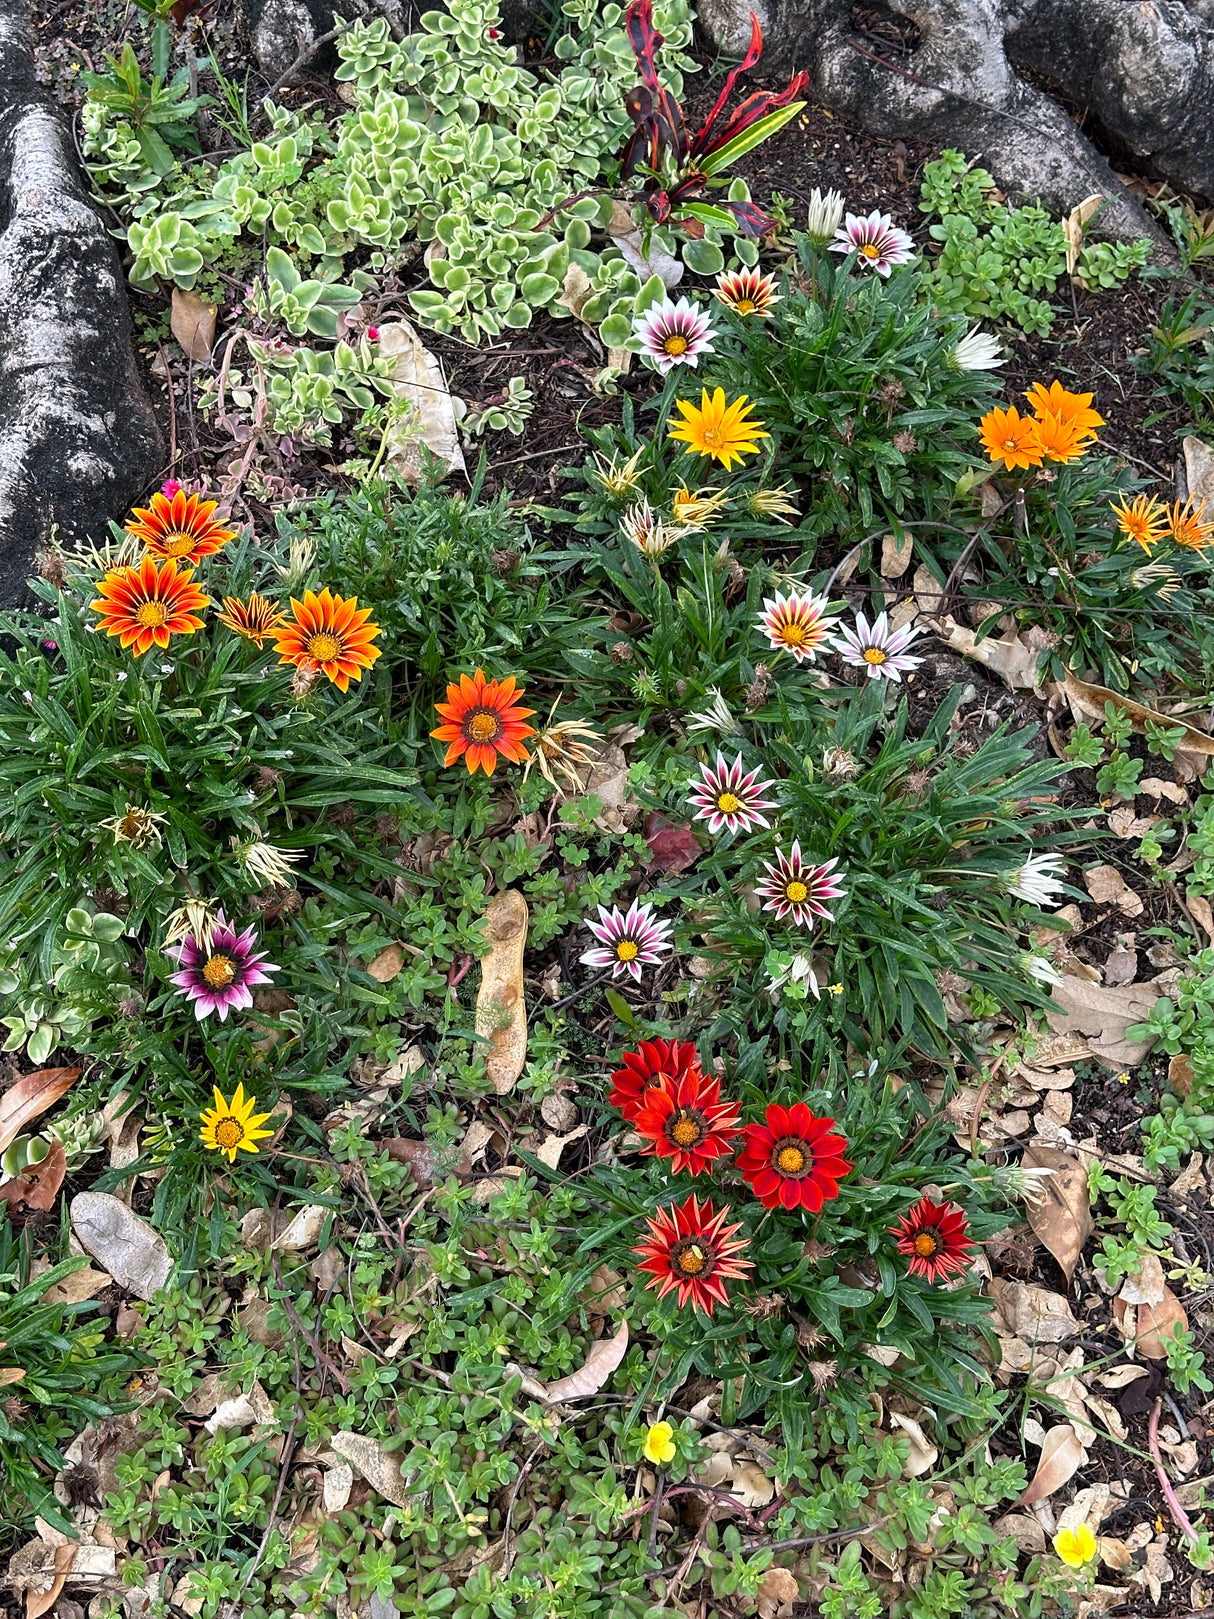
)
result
[(480, 720), (330, 633), (689, 1247), (1143, 519), (180, 526), (1186, 526), (144, 605), (257, 619), (1011, 438), (1073, 409), (1061, 440)]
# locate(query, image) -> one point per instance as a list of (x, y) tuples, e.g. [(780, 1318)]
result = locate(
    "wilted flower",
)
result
[(1041, 969), (135, 826), (716, 717), (877, 648), (824, 217), (256, 620), (646, 530), (561, 749), (1186, 524), (839, 764), (627, 941), (876, 241), (773, 503), (977, 351), (1028, 1184), (193, 920), (696, 508), (673, 333), (301, 554), (1038, 880), (800, 970), (265, 863), (1158, 574), (617, 480)]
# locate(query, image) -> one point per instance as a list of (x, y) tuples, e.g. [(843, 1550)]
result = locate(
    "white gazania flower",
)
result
[(773, 503), (629, 941), (877, 648), (796, 623), (748, 292), (1038, 880), (136, 826), (673, 333), (875, 240), (1040, 968), (725, 797), (614, 478), (716, 717), (794, 888), (825, 216), (799, 970), (646, 530), (977, 351)]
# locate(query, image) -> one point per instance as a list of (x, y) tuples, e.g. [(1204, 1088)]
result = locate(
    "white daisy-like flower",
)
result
[(716, 717), (725, 797), (877, 648), (1038, 880), (825, 216), (642, 525), (629, 940), (1040, 968), (875, 240), (800, 970), (793, 888), (673, 333), (978, 351)]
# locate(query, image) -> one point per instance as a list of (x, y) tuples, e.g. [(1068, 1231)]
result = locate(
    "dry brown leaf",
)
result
[(751, 1484), (1120, 1377), (1157, 787), (1055, 1049), (550, 1149), (37, 1187), (1030, 1536), (1062, 1220), (896, 555), (777, 1590), (922, 1455), (418, 377), (387, 964), (1061, 1455), (605, 1355), (1012, 660), (1072, 228), (1153, 1319), (38, 1603), (80, 1285), (501, 1013), (30, 1096), (1104, 1014), (1108, 1414), (381, 1468), (1087, 702), (192, 323), (304, 1229), (1114, 1554), (1033, 1313), (1107, 886), (1046, 1079), (1145, 1285), (11, 1374), (135, 1254), (1198, 908)]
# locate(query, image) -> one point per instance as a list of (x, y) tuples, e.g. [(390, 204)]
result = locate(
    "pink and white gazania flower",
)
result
[(220, 976), (877, 648), (629, 941), (876, 241), (796, 623), (674, 333), (794, 889), (747, 292), (724, 797)]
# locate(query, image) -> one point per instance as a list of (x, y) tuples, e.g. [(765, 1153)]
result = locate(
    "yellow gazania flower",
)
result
[(659, 1447), (232, 1127), (1143, 519), (1075, 1546), (695, 508), (1187, 526), (717, 429)]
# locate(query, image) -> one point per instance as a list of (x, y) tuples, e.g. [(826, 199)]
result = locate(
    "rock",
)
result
[(79, 441), (126, 1246), (278, 30)]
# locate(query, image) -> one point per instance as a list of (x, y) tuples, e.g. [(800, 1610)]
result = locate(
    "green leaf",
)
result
[(750, 138), (621, 1008)]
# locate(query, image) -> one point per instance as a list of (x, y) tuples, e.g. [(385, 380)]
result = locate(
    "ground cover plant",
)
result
[(635, 1049)]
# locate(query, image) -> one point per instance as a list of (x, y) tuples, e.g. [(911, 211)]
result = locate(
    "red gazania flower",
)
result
[(686, 1121), (480, 720), (180, 526), (143, 606), (690, 1247), (652, 1063), (793, 1160), (330, 633), (935, 1238)]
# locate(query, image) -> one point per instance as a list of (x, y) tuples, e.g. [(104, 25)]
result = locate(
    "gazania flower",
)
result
[(145, 605), (716, 717), (561, 749), (796, 623), (793, 1160), (875, 240), (1009, 437), (1066, 406), (747, 292), (193, 920), (659, 1447), (180, 526), (773, 503), (482, 719), (1186, 525), (257, 619), (135, 826), (220, 977), (795, 889), (935, 1238), (642, 525), (233, 1127), (265, 863), (686, 1121), (674, 333), (616, 479), (1075, 1546), (696, 508), (629, 940), (654, 1062), (1143, 520), (1157, 576), (690, 1248), (1038, 880), (330, 633), (716, 429), (977, 351), (877, 648), (724, 797), (1062, 440), (824, 217)]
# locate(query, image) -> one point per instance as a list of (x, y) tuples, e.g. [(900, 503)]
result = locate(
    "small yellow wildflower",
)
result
[(231, 1127), (1075, 1546), (659, 1444)]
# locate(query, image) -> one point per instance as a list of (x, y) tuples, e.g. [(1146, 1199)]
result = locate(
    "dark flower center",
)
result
[(219, 971), (691, 1257), (482, 725), (686, 1128), (928, 1244), (791, 1159)]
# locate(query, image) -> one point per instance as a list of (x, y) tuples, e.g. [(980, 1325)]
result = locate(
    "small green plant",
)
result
[(1185, 1362), (509, 412), (156, 113)]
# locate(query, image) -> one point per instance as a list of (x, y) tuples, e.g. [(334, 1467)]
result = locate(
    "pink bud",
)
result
[(494, 33), (373, 334), (170, 488)]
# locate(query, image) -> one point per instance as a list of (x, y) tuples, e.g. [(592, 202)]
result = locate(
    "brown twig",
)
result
[(306, 55)]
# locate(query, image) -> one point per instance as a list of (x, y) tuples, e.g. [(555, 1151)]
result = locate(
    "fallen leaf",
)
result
[(1012, 660), (134, 1254), (1104, 1014), (1030, 1536), (1072, 229), (751, 1484), (1062, 1220), (1107, 886), (630, 240), (1153, 1319), (1121, 967), (38, 1603), (1108, 1414), (1118, 1377), (338, 1483), (501, 1012), (577, 290), (192, 323), (428, 1167), (82, 1284), (896, 555), (1198, 468), (418, 377), (671, 848), (387, 964), (922, 1455), (1114, 1554), (30, 1096), (304, 1229), (1158, 787), (1087, 703), (244, 1410), (1033, 1313), (1198, 908), (1145, 1285), (550, 1149), (1061, 1455), (605, 1355), (37, 1187), (381, 1468), (777, 1589)]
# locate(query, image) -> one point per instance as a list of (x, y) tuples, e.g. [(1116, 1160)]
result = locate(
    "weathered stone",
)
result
[(279, 30), (79, 439)]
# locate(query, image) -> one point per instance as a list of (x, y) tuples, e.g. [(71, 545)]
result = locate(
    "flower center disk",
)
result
[(796, 892), (689, 1258), (728, 803), (219, 971), (790, 1159), (675, 344), (685, 1129), (874, 654), (179, 545), (927, 1244), (152, 616), (482, 726), (626, 950), (229, 1132), (324, 648)]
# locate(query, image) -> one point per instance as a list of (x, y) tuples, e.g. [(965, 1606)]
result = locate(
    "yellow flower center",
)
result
[(874, 654), (1011, 444), (927, 1245), (791, 1160), (676, 343), (229, 1133), (728, 803), (178, 545), (712, 437), (482, 726), (323, 648), (685, 1130), (691, 1261), (869, 251), (152, 615), (219, 971), (794, 635), (796, 892), (626, 950), (746, 306)]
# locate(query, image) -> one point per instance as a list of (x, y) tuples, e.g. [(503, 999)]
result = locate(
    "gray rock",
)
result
[(278, 30), (135, 1255), (79, 439)]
